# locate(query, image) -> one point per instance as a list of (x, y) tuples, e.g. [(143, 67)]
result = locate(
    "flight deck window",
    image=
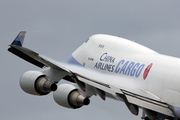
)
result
[(86, 40)]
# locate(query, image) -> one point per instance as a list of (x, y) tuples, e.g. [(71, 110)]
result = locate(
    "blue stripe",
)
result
[(18, 43), (72, 60), (177, 111)]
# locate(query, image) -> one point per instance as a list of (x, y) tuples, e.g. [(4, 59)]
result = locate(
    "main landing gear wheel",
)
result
[(146, 118)]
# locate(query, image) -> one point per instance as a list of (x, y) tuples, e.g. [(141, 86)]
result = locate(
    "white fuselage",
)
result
[(158, 73)]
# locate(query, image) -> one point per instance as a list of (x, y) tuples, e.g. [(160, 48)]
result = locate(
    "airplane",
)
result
[(110, 67)]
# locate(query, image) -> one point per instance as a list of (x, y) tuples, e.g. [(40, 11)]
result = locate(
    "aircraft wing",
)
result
[(131, 92)]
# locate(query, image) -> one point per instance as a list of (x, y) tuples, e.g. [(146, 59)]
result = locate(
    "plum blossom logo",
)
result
[(146, 72)]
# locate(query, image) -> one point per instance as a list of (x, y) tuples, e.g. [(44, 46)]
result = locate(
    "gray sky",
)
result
[(56, 28)]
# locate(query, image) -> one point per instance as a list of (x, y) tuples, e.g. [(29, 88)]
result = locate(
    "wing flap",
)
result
[(148, 103)]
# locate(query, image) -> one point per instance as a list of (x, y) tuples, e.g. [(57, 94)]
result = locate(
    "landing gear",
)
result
[(163, 118), (146, 118)]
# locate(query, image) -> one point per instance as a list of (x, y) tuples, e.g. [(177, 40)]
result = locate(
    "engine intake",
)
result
[(36, 83)]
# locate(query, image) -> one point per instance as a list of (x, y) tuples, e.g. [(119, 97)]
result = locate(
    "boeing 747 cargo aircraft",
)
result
[(110, 67)]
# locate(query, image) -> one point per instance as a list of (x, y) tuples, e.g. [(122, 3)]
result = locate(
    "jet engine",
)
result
[(69, 96), (36, 83)]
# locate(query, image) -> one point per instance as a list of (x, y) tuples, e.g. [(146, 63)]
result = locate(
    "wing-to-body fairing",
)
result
[(111, 67)]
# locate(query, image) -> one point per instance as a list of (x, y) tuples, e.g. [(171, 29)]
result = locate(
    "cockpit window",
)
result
[(86, 40)]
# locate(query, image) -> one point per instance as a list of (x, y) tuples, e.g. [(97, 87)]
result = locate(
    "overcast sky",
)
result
[(55, 28)]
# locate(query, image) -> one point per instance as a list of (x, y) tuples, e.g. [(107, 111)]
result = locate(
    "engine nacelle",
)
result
[(36, 83), (68, 95)]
